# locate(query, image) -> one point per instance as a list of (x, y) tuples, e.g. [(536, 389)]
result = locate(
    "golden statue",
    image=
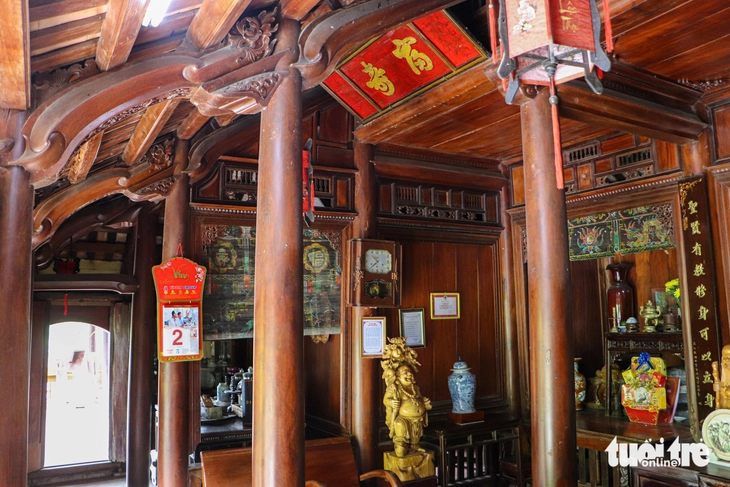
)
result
[(405, 413), (722, 382)]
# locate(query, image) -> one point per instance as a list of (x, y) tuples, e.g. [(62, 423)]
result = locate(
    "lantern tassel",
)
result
[(493, 32), (65, 305), (557, 145), (607, 26)]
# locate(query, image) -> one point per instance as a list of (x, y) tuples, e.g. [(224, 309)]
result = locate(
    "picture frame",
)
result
[(412, 327), (373, 342), (445, 306)]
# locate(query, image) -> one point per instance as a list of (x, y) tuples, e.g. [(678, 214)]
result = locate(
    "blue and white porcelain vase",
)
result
[(462, 386)]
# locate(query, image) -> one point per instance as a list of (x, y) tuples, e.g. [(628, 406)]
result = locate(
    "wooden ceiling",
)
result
[(670, 56), (681, 41)]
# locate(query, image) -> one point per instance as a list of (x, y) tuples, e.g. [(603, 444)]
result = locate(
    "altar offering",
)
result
[(647, 394)]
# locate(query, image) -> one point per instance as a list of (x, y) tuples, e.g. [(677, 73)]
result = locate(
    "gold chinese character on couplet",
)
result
[(703, 312), (695, 228), (700, 291)]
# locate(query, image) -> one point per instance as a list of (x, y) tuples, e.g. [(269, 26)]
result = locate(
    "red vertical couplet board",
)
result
[(179, 285)]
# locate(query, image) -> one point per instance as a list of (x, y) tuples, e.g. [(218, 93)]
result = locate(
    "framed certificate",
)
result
[(412, 327), (373, 336), (445, 306)]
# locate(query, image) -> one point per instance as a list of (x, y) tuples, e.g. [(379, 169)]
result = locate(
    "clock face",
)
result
[(378, 261)]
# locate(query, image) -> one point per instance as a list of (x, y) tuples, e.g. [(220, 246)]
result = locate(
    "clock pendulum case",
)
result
[(375, 271)]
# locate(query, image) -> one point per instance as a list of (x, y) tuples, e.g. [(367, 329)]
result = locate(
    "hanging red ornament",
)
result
[(65, 305)]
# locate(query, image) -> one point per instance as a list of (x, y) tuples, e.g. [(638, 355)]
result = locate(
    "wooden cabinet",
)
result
[(470, 453)]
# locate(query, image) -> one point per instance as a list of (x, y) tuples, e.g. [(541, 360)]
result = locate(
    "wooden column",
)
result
[(278, 409), (365, 398), (16, 262), (511, 345), (142, 352), (551, 331), (174, 378), (696, 157)]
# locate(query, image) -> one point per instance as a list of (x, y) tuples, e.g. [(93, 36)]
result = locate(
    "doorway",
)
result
[(77, 395)]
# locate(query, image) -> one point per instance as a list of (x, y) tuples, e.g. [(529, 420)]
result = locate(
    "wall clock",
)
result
[(375, 270)]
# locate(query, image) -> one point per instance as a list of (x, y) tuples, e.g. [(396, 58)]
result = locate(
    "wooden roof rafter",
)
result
[(119, 32), (15, 56)]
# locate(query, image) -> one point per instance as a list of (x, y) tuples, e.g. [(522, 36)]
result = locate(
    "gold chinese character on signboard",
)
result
[(704, 332), (709, 400), (418, 61), (707, 356), (703, 313), (378, 80), (695, 228), (697, 248), (707, 378), (692, 205), (699, 270), (566, 14), (700, 291)]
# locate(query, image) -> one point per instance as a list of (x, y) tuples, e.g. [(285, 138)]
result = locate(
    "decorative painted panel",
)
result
[(403, 63), (640, 229), (229, 292)]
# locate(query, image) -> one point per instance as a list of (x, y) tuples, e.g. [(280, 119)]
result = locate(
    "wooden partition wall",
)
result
[(471, 268)]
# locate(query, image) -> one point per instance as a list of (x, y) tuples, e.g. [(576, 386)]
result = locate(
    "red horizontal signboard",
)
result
[(403, 63)]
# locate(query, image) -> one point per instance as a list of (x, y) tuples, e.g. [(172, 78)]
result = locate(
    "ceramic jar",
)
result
[(620, 295), (462, 386), (580, 385)]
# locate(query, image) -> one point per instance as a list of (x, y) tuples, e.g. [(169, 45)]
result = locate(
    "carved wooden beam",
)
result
[(118, 283), (140, 183), (147, 130), (204, 153), (224, 120), (119, 31), (84, 222), (213, 21), (191, 125), (328, 39), (635, 102), (83, 159), (72, 116), (297, 9), (15, 56)]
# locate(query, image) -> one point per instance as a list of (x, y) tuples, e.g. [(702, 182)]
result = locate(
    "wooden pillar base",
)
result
[(412, 466)]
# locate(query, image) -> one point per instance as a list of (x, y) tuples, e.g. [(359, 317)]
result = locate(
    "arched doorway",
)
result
[(77, 395)]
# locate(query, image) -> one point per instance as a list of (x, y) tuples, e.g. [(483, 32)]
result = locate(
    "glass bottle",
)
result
[(620, 297)]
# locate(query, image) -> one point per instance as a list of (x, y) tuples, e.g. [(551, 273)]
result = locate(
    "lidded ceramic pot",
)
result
[(462, 386)]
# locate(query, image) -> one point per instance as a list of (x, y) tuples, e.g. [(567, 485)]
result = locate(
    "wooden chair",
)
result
[(328, 462)]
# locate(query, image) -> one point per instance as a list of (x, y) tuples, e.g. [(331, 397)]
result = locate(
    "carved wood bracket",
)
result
[(244, 97)]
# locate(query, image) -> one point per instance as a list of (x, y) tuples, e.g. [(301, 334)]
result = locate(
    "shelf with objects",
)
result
[(640, 250)]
